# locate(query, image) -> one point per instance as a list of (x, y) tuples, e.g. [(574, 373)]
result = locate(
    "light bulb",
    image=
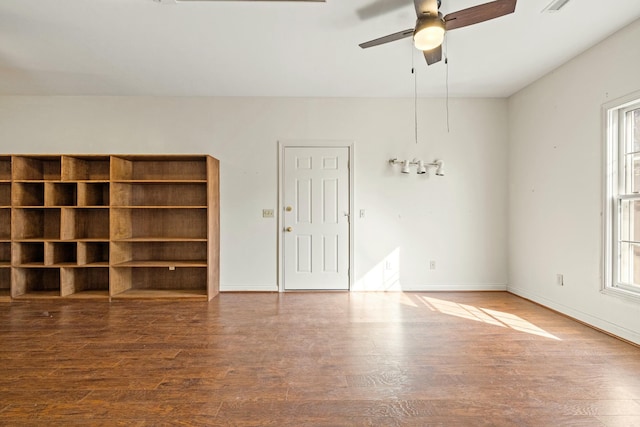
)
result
[(405, 167), (429, 33), (421, 168)]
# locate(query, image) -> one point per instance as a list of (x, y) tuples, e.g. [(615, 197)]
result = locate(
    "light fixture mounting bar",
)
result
[(555, 6)]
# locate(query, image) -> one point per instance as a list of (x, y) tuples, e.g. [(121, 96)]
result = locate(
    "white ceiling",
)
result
[(144, 47)]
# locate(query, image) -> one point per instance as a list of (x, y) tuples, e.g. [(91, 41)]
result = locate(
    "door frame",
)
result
[(350, 145)]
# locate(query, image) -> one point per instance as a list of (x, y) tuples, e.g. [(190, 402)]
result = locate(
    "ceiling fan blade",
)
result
[(386, 39), (426, 6), (379, 7), (434, 55), (480, 13), (180, 1)]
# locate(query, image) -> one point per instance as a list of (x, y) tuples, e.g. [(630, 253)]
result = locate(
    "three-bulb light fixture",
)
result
[(429, 32), (422, 167)]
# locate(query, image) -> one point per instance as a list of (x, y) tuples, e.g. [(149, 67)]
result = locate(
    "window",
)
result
[(622, 197)]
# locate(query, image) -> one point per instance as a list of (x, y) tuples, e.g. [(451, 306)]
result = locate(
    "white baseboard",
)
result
[(403, 288), (249, 288), (430, 288), (605, 325), (454, 288)]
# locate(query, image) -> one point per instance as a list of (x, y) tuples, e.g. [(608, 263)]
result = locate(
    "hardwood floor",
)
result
[(312, 359)]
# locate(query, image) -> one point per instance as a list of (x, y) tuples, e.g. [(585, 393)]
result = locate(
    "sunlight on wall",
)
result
[(485, 315), (384, 276)]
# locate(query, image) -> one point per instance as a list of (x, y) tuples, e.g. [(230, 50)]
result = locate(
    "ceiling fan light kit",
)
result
[(429, 32)]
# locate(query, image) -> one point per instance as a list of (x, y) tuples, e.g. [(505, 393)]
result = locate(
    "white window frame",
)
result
[(616, 136)]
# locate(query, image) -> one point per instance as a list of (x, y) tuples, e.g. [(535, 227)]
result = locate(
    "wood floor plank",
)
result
[(620, 421), (311, 359)]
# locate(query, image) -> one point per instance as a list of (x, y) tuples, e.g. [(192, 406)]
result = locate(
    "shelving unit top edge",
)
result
[(105, 156), (101, 157), (57, 207), (154, 157), (158, 181), (38, 156), (159, 207), (48, 240), (158, 239)]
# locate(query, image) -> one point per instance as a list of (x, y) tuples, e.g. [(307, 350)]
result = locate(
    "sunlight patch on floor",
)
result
[(484, 315)]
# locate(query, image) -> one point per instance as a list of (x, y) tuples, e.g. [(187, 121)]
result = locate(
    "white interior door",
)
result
[(316, 218)]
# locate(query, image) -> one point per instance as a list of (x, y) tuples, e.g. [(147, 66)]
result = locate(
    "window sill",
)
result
[(622, 293)]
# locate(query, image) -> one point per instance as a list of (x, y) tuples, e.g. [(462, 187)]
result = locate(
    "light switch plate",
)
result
[(267, 213)]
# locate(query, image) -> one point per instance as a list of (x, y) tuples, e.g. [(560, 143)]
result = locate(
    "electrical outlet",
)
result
[(267, 213), (362, 213), (432, 265), (559, 279)]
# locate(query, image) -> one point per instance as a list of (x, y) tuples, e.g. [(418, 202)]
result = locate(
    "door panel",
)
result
[(316, 229)]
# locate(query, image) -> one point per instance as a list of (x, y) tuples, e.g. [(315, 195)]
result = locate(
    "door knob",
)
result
[(288, 209), (289, 229)]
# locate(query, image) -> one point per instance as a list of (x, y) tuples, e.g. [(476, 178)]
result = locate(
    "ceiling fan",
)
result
[(428, 33)]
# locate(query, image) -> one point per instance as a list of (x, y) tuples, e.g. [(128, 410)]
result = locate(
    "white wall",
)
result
[(555, 183), (458, 220)]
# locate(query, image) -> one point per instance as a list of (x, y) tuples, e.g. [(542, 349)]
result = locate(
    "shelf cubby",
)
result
[(159, 254), (93, 254), (5, 194), (85, 168), (35, 282), (5, 224), (36, 168), (159, 194), (60, 254), (158, 168), (28, 254), (141, 282), (84, 282), (5, 168), (60, 194), (5, 254), (158, 224), (93, 194), (36, 224), (85, 224), (5, 283), (28, 194)]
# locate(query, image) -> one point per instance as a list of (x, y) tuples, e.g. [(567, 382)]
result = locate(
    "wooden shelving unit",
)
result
[(161, 212), (5, 228), (109, 226)]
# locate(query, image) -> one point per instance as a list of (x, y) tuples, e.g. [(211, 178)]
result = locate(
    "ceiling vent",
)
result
[(555, 6)]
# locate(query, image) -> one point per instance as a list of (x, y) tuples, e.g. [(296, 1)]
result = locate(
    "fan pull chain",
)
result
[(415, 103), (415, 94), (446, 64)]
